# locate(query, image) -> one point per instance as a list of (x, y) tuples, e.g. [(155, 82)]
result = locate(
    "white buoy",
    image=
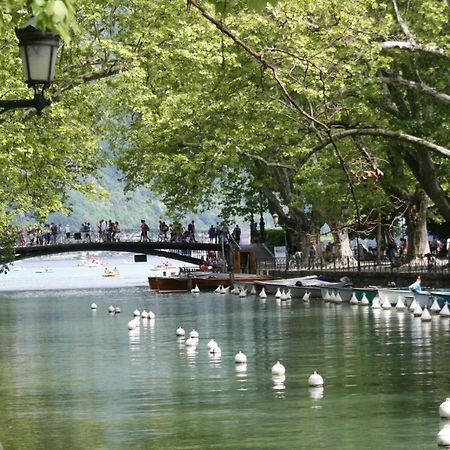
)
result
[(443, 437), (353, 300), (327, 296), (215, 350), (376, 303), (386, 304), (332, 297), (194, 334), (283, 295), (413, 305), (278, 293), (144, 314), (211, 343), (364, 300), (253, 291), (225, 290), (131, 325), (337, 298), (315, 379), (400, 305), (137, 321), (243, 292), (191, 342), (218, 289), (435, 308), (425, 316), (444, 409), (136, 313), (316, 393), (240, 358), (235, 290), (195, 290), (306, 296), (288, 295), (445, 312), (151, 315), (417, 310), (111, 309), (117, 310), (180, 331), (263, 293), (93, 306), (278, 369)]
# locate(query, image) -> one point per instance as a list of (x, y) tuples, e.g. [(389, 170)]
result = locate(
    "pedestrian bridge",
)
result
[(193, 253)]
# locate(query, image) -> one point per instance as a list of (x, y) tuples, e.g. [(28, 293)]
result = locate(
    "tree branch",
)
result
[(380, 132), (411, 43), (268, 163), (259, 57), (421, 87), (433, 49), (402, 23)]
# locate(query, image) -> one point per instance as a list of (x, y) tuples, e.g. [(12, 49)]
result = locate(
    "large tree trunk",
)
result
[(416, 222), (342, 243), (425, 172)]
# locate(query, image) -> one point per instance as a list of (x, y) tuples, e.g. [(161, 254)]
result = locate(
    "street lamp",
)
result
[(38, 53)]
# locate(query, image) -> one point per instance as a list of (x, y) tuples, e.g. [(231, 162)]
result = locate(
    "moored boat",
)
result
[(423, 298), (442, 296), (300, 286), (204, 281)]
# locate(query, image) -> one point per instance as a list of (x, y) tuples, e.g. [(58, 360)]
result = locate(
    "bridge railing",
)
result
[(290, 264), (94, 236)]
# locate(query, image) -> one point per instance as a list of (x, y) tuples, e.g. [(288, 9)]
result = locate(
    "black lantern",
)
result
[(38, 53)]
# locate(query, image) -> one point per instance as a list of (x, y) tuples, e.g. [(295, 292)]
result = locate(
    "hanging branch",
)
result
[(411, 43)]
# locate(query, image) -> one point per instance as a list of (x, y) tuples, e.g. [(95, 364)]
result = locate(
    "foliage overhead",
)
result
[(252, 105)]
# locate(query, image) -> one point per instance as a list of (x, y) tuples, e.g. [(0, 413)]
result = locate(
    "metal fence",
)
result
[(437, 265)]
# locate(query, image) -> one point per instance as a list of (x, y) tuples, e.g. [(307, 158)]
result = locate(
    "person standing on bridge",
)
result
[(144, 231), (191, 232)]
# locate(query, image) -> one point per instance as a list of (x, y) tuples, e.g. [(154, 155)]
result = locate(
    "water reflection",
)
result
[(316, 393), (191, 353), (56, 362), (278, 382), (241, 370), (134, 338), (241, 376), (215, 359)]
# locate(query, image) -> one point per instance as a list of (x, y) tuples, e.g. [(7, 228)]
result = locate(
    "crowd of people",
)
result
[(109, 231)]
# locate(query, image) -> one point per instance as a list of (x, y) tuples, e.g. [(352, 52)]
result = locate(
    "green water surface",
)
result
[(71, 378)]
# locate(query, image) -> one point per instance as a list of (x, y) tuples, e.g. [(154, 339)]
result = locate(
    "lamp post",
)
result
[(38, 53)]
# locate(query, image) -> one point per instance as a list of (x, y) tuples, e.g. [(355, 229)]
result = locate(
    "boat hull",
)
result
[(441, 296), (204, 282), (423, 298), (311, 285)]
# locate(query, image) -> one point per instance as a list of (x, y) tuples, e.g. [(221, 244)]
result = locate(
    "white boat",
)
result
[(423, 298), (300, 286)]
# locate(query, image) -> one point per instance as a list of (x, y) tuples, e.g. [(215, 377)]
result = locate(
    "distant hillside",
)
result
[(128, 209)]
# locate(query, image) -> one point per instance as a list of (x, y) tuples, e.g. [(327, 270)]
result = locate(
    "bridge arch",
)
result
[(193, 253)]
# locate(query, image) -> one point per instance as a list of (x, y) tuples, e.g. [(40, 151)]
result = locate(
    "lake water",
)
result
[(71, 378)]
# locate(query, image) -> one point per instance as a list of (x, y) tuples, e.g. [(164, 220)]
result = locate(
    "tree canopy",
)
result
[(299, 108)]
